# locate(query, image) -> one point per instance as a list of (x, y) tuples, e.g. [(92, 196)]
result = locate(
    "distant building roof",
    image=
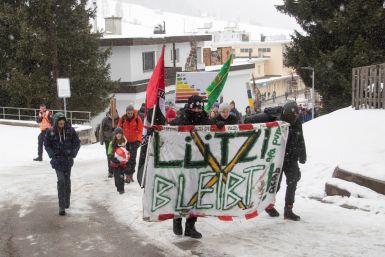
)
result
[(132, 41)]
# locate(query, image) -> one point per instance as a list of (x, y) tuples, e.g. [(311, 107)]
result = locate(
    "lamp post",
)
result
[(312, 89)]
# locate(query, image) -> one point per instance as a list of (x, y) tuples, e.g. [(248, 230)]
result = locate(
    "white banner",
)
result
[(205, 171)]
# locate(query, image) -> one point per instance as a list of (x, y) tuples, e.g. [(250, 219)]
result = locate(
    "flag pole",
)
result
[(148, 149)]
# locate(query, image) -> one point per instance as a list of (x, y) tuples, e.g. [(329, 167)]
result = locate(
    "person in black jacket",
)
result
[(224, 117), (193, 114), (62, 145), (295, 151), (106, 131)]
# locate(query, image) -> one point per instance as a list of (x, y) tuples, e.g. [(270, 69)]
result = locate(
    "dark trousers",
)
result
[(64, 188), (189, 221), (40, 141), (119, 178), (107, 144), (130, 169), (293, 175)]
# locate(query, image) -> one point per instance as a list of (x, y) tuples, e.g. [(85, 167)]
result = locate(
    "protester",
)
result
[(213, 114), (295, 151), (224, 117), (45, 122), (119, 156), (106, 132), (194, 114), (170, 115), (62, 145), (234, 111), (247, 113), (132, 127), (142, 110)]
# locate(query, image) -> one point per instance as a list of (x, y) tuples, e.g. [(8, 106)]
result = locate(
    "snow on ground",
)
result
[(325, 229)]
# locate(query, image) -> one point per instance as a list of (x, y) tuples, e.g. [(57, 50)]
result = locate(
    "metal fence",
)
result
[(368, 87), (28, 114)]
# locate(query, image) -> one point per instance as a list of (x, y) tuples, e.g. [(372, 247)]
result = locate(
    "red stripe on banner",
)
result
[(246, 127), (185, 128), (225, 218), (166, 216), (157, 127), (272, 124), (251, 215), (214, 128)]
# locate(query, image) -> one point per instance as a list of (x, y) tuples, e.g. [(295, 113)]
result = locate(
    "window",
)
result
[(148, 61), (199, 54), (176, 54)]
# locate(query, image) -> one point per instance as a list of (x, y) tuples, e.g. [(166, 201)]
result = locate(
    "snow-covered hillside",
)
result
[(139, 21)]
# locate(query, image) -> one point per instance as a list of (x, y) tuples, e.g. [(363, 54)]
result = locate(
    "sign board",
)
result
[(63, 88), (192, 83), (206, 171)]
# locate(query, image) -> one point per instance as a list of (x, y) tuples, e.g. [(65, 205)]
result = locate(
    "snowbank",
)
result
[(351, 139)]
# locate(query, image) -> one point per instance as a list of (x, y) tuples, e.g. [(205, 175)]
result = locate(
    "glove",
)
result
[(137, 144), (150, 131), (220, 124)]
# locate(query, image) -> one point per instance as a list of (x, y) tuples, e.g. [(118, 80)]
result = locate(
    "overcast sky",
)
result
[(261, 12)]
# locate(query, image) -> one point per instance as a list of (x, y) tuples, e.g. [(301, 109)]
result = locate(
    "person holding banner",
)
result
[(194, 114), (224, 117), (295, 151)]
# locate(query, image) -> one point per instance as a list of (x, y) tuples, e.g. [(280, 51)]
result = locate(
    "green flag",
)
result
[(214, 90)]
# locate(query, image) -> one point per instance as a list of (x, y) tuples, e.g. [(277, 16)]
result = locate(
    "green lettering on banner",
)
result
[(233, 181), (161, 186), (163, 164), (245, 157), (225, 138), (188, 163), (269, 178), (219, 189), (265, 144), (202, 190), (250, 178), (179, 201), (277, 136)]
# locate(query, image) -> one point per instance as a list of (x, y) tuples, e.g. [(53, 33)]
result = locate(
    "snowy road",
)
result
[(101, 222), (40, 233)]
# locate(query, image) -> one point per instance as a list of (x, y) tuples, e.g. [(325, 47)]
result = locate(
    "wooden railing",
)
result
[(368, 87)]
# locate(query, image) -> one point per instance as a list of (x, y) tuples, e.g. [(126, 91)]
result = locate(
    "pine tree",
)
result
[(338, 35), (47, 39)]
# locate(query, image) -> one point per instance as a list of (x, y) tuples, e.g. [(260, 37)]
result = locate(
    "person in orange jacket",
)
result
[(45, 122), (132, 126)]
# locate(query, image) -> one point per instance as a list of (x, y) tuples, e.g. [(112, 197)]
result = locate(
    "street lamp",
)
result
[(312, 89)]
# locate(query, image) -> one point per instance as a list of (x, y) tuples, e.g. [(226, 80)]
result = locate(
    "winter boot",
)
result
[(130, 177), (177, 226), (62, 212), (38, 159), (191, 231), (110, 175), (290, 215), (272, 211)]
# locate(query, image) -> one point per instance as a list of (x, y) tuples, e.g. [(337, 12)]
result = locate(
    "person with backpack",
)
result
[(106, 132), (118, 156), (62, 145), (45, 122), (132, 127)]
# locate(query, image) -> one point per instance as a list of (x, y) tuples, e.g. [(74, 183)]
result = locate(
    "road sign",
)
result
[(63, 88)]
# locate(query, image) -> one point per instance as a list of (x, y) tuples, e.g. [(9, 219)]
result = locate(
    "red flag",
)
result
[(156, 83)]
